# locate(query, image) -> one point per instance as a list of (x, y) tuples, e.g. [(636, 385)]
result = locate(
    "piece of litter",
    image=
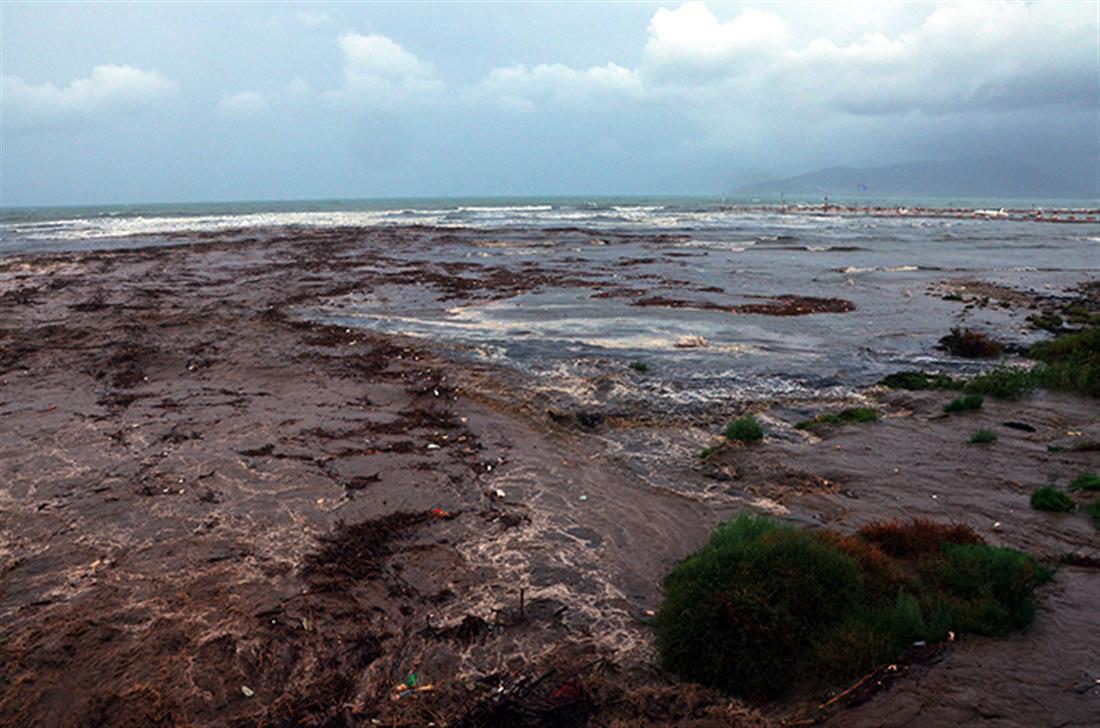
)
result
[(935, 497), (248, 692), (950, 636), (997, 526), (499, 493), (919, 643), (433, 446), (584, 497)]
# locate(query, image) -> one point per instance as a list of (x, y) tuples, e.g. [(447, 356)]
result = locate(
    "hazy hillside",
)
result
[(976, 179)]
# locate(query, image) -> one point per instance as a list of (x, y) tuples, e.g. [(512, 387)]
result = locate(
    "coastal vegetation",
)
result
[(1086, 481), (852, 414), (639, 366), (1093, 509), (983, 437), (744, 429), (763, 607), (965, 403), (1049, 498)]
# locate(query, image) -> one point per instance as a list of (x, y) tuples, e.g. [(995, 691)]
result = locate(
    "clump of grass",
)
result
[(744, 429), (1005, 382), (852, 414), (1049, 498), (1048, 321), (966, 403), (983, 437), (1093, 509), (706, 452), (639, 366), (765, 606), (1086, 481), (971, 344), (919, 381)]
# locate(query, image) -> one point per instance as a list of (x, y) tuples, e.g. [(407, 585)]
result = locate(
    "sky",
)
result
[(145, 102)]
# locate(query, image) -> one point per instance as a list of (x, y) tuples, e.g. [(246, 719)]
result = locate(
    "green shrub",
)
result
[(1070, 362), (639, 366), (985, 589), (1086, 481), (919, 381), (1093, 509), (983, 437), (1005, 382), (1049, 498), (706, 452), (762, 606), (965, 403), (741, 612), (744, 429), (852, 414)]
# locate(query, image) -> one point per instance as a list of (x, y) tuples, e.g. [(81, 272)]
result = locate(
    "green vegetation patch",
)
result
[(852, 414), (763, 606), (1086, 481), (1049, 498), (920, 381), (639, 366), (965, 403), (744, 429), (983, 437), (1070, 362), (1006, 382), (1093, 509)]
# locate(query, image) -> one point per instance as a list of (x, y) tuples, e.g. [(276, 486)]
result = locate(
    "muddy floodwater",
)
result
[(268, 470)]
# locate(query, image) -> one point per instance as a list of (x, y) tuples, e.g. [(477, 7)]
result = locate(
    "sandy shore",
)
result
[(216, 513)]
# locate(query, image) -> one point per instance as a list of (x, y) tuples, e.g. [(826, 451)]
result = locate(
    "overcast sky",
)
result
[(189, 101)]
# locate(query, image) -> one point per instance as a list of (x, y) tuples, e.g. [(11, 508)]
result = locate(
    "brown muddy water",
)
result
[(265, 476)]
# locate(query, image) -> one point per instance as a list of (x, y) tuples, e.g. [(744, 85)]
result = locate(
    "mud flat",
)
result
[(218, 510)]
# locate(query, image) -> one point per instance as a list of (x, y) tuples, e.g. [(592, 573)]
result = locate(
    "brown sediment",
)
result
[(201, 493), (776, 306)]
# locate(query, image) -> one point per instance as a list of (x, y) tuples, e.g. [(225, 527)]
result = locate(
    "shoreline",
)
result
[(180, 449)]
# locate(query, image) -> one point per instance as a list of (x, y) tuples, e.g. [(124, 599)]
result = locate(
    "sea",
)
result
[(901, 263)]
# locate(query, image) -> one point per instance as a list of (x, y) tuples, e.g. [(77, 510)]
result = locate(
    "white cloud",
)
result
[(380, 74), (956, 58), (109, 89), (246, 103), (520, 88), (691, 41), (311, 19)]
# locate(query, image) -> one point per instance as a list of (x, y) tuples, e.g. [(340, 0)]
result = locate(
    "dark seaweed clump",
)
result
[(920, 381), (763, 606), (971, 344), (983, 437)]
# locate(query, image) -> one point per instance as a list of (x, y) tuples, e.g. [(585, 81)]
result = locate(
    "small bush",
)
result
[(1048, 321), (764, 606), (1049, 498), (1070, 362), (966, 403), (852, 414), (639, 366), (1005, 382), (987, 590), (970, 344), (744, 429), (1086, 481), (919, 381), (1093, 509), (983, 437)]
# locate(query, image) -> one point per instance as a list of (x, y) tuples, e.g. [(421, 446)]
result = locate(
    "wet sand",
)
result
[(215, 512)]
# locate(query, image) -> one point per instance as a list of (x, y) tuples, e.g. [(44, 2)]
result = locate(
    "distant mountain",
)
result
[(984, 178)]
